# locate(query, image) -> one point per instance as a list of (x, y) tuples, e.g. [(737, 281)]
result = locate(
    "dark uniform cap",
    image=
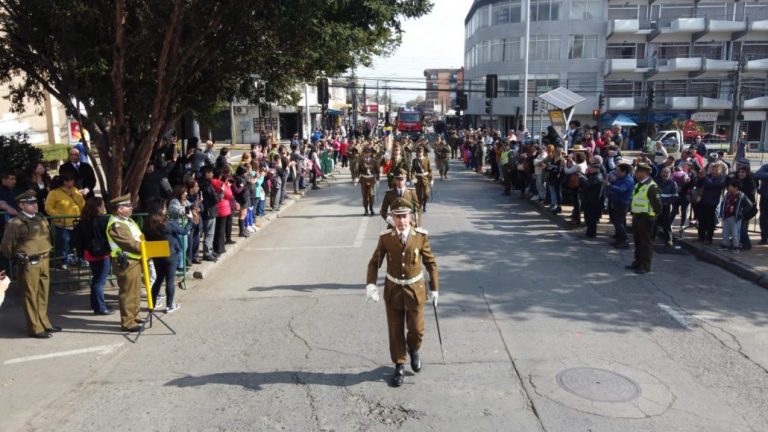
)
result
[(368, 150), (121, 200), (28, 196), (401, 174), (643, 166), (401, 206)]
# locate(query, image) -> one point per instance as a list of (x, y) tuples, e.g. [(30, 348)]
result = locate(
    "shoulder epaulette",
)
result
[(385, 232), (411, 187), (421, 230)]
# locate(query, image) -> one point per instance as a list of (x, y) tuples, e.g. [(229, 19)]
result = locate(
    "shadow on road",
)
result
[(256, 380), (307, 288)]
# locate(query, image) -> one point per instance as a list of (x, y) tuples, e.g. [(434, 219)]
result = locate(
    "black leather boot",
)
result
[(399, 375), (415, 361)]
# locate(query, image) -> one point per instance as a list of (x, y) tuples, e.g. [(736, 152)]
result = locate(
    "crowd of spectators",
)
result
[(586, 170)]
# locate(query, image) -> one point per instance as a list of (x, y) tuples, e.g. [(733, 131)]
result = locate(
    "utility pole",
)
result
[(354, 99), (736, 106), (526, 54)]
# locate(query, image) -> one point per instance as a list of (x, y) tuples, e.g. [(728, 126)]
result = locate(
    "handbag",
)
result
[(99, 245), (697, 195)]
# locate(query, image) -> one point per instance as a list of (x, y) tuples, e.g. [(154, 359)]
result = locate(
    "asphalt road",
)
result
[(542, 331)]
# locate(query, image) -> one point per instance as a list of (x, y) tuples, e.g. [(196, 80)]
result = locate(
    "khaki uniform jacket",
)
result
[(121, 234), (426, 169), (409, 194), (367, 167), (28, 236), (404, 262)]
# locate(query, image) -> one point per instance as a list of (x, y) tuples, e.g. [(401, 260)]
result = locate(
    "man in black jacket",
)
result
[(85, 176), (210, 200)]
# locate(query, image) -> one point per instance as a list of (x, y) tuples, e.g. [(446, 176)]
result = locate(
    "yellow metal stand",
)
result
[(149, 250)]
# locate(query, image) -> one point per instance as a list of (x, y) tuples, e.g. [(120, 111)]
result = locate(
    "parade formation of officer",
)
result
[(400, 191), (421, 169), (368, 175), (125, 238), (27, 243), (405, 249)]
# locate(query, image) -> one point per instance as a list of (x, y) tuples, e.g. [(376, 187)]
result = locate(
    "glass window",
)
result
[(672, 50), (752, 50), (542, 85), (509, 86), (625, 51), (505, 12), (483, 16), (544, 47), (497, 51), (712, 11), (512, 49), (583, 47), (756, 12), (545, 10), (622, 88), (587, 9), (712, 51), (623, 12)]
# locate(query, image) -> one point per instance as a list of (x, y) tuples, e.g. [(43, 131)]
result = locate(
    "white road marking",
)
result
[(361, 233), (565, 235), (102, 349), (678, 316)]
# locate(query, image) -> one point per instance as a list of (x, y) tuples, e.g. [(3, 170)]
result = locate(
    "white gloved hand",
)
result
[(432, 182), (433, 296), (372, 292), (390, 220)]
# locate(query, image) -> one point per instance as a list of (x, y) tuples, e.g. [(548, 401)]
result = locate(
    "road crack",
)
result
[(524, 390)]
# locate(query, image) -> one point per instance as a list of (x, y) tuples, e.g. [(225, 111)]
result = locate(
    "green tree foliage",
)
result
[(17, 155), (128, 70)]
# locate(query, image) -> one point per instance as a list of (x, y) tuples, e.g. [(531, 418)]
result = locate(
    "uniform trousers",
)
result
[(129, 293), (35, 282), (642, 232), (368, 191), (398, 320)]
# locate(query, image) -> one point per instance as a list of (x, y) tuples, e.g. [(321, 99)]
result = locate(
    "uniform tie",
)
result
[(403, 237), (400, 193)]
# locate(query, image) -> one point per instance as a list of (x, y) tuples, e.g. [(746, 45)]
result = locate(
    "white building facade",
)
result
[(686, 52)]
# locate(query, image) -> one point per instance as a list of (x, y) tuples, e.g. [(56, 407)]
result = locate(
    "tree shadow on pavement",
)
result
[(256, 380)]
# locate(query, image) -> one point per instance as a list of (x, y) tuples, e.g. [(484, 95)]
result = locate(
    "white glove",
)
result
[(432, 182), (433, 296), (390, 220), (372, 292)]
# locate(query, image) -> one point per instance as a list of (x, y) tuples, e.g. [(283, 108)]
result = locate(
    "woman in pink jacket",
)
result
[(222, 184)]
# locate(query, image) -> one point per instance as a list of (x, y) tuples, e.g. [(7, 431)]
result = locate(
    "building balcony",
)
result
[(679, 30), (628, 27), (630, 103), (714, 104), (758, 103), (624, 67), (689, 64), (758, 26), (758, 65), (679, 103)]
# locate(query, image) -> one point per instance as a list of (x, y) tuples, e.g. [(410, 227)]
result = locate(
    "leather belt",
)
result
[(420, 175), (367, 176), (405, 281)]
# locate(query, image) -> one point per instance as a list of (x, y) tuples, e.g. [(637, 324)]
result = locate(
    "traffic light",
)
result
[(534, 104), (651, 96), (261, 90), (601, 102), (491, 86), (487, 106), (461, 100), (322, 91), (595, 114)]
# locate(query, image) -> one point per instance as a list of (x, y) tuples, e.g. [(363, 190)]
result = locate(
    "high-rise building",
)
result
[(441, 88), (688, 55)]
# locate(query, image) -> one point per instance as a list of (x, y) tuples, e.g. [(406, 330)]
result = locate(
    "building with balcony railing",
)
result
[(441, 88), (688, 52)]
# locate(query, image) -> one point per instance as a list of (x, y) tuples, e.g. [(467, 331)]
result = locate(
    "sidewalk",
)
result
[(750, 265)]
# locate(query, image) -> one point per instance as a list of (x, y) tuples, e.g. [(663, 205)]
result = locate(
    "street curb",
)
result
[(206, 267), (727, 263)]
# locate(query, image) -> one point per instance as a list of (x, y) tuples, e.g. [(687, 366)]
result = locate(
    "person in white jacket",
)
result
[(538, 171)]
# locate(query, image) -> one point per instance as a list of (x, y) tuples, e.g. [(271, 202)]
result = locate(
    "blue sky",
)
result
[(433, 41)]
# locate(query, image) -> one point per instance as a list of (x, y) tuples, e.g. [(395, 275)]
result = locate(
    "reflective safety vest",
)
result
[(135, 232), (641, 202), (505, 157)]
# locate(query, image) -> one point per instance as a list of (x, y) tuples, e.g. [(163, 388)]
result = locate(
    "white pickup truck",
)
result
[(672, 139)]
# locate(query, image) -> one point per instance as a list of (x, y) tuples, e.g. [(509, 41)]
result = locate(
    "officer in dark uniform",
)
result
[(422, 173), (405, 249), (368, 174), (646, 205), (400, 191), (27, 242), (125, 238), (397, 163)]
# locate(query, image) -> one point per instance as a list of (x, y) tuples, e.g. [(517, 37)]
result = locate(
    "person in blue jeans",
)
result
[(620, 187), (95, 249), (159, 227)]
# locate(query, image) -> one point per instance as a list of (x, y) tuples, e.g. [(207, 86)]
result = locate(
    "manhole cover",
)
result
[(598, 385)]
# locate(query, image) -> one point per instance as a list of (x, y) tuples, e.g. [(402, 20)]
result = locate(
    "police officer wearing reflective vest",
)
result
[(368, 172), (27, 242), (646, 204), (405, 250), (125, 238)]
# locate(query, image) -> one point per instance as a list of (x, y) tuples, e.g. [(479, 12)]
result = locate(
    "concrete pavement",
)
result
[(542, 332)]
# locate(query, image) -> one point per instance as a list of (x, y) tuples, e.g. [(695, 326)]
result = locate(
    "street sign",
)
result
[(704, 116), (557, 118)]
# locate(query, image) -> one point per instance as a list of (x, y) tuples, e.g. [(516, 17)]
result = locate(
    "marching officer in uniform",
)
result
[(125, 238), (27, 242), (368, 174), (441, 158), (354, 159), (646, 204), (405, 249), (422, 171), (400, 191), (396, 164)]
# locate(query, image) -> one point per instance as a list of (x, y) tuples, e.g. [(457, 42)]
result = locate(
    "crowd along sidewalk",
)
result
[(751, 265)]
